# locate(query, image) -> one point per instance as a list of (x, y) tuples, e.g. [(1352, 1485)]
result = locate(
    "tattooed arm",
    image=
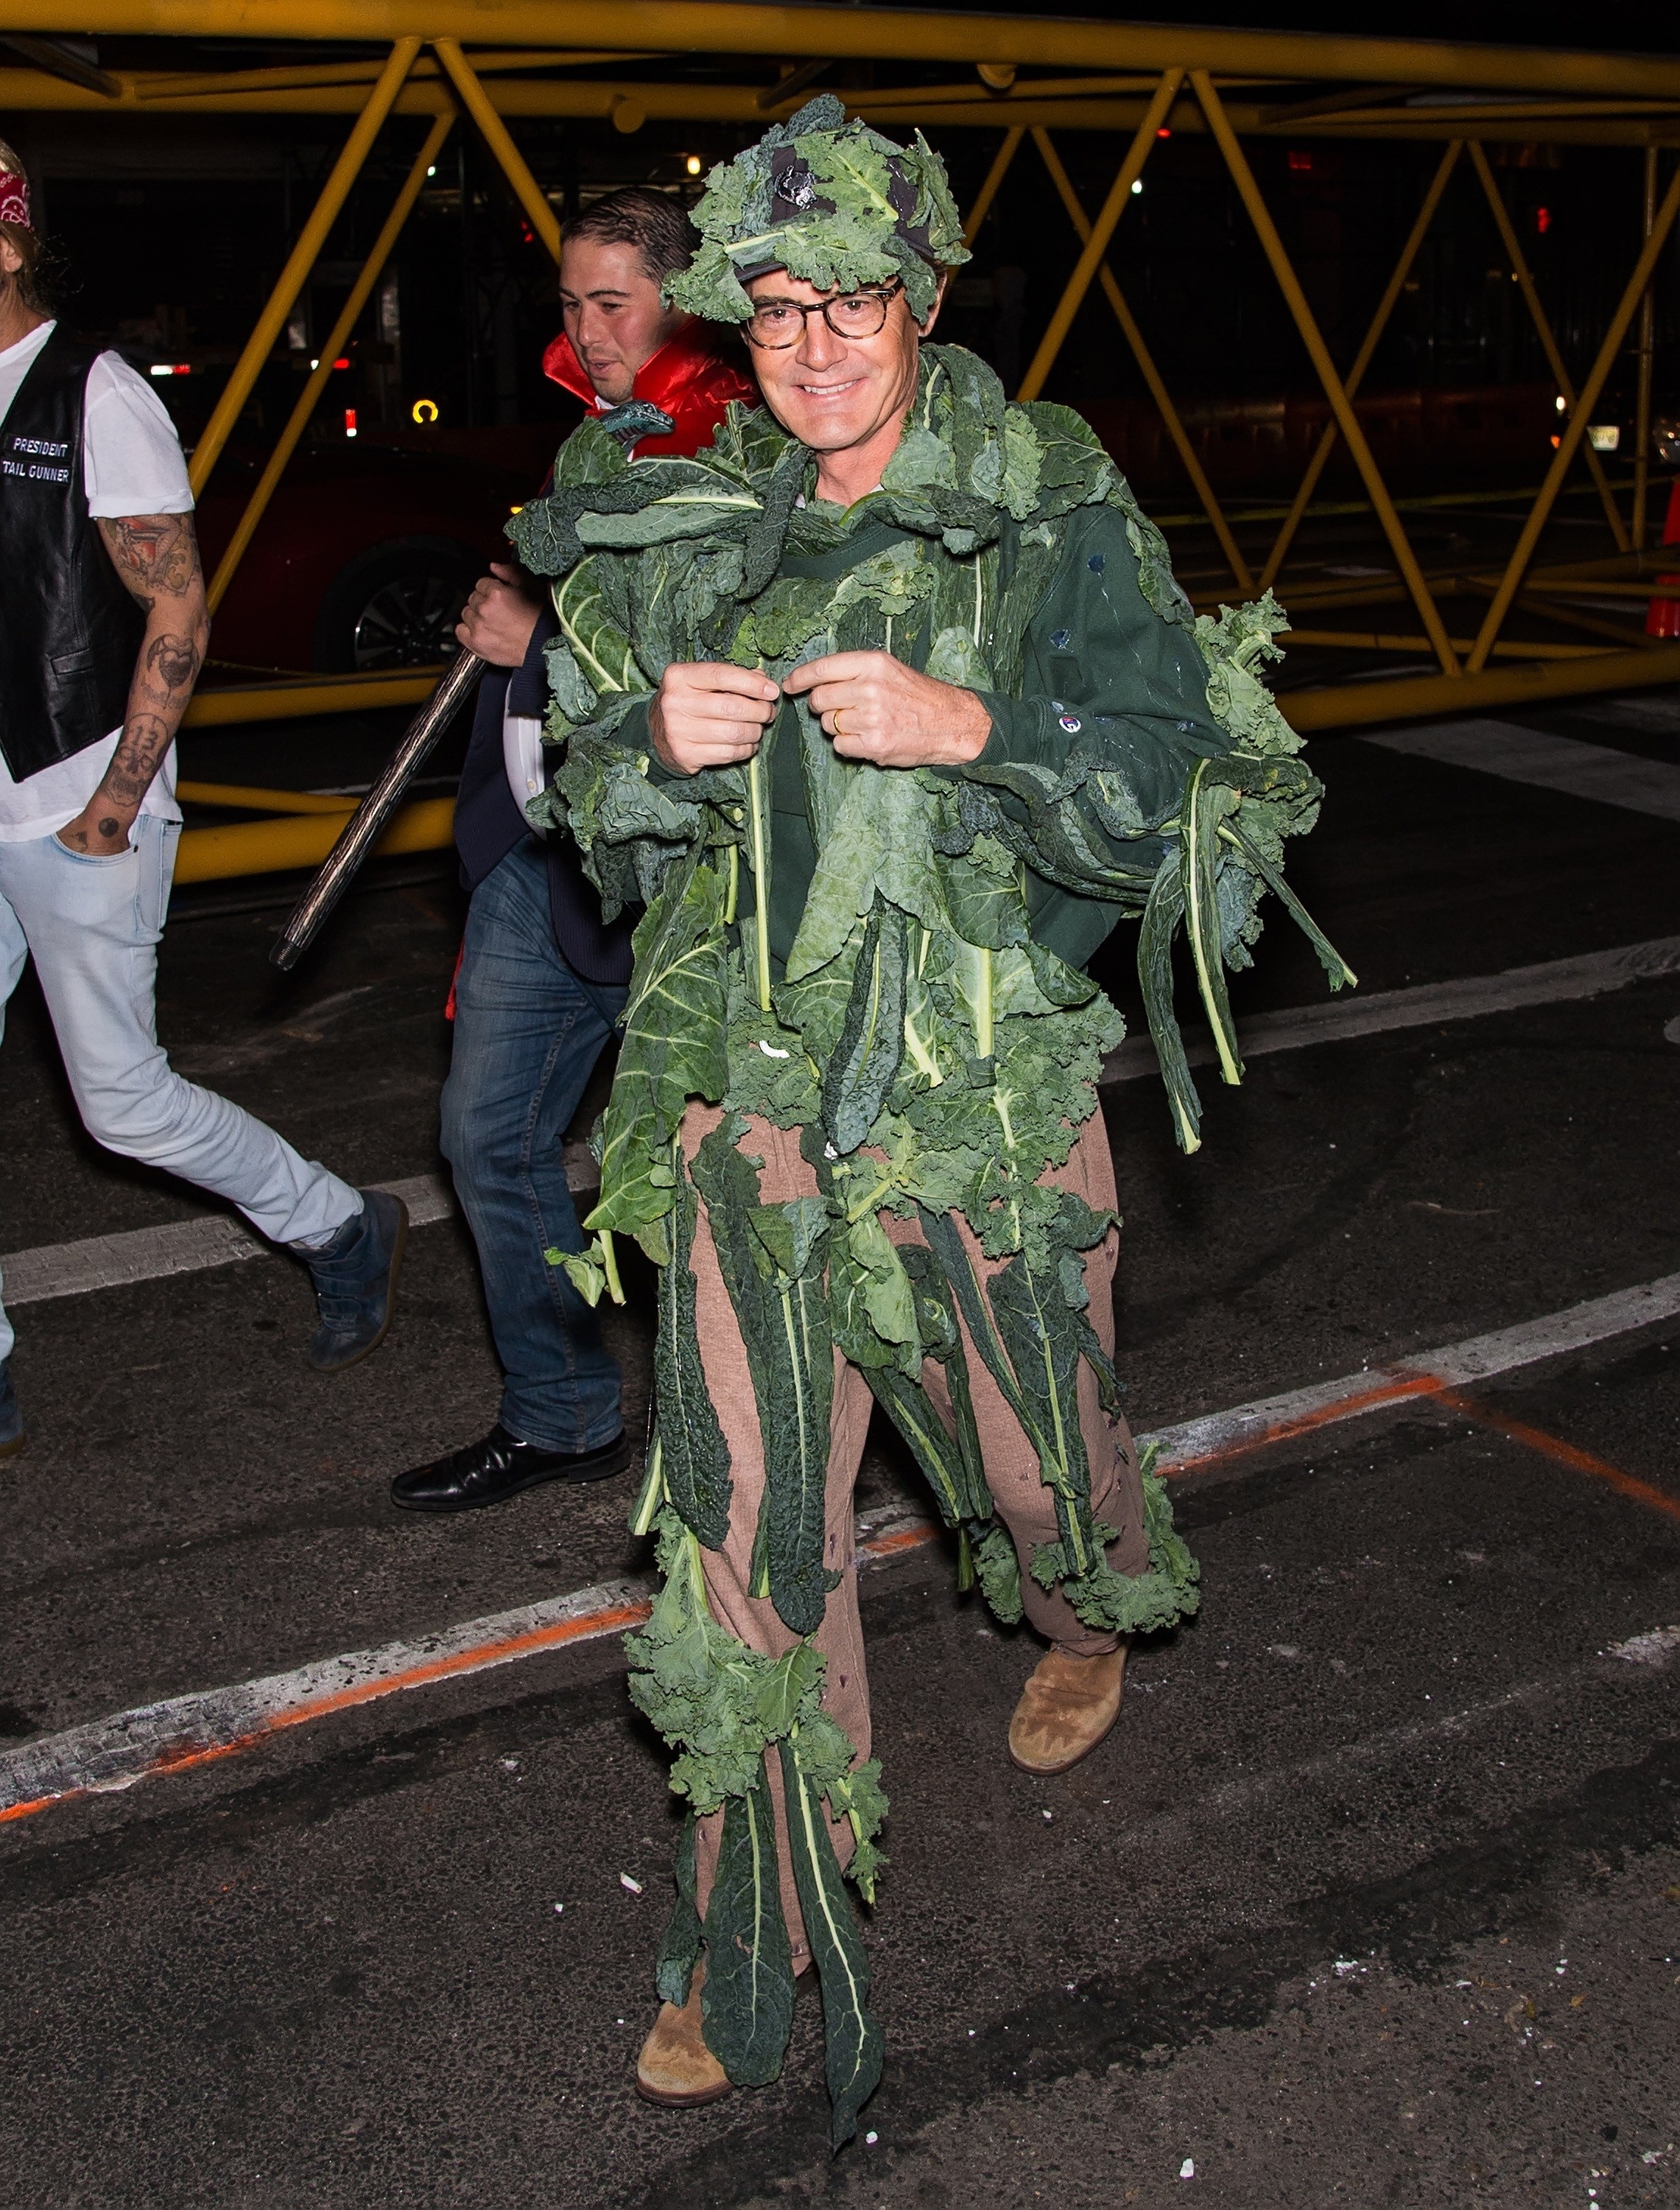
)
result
[(156, 555)]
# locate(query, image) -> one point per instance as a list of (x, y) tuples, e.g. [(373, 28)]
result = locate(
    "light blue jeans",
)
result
[(92, 927)]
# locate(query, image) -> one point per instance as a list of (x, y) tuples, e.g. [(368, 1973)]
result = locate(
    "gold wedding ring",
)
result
[(839, 732)]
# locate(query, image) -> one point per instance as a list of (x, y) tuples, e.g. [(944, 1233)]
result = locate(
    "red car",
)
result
[(367, 549)]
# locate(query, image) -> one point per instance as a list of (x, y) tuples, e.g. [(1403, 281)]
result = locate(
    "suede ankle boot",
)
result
[(675, 2069), (1065, 1709)]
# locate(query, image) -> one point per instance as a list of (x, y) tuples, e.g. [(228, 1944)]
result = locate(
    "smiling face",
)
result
[(612, 312), (842, 396)]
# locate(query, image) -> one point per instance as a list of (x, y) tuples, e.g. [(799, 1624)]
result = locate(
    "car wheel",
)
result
[(395, 605)]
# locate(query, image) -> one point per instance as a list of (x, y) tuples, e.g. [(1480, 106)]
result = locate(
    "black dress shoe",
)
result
[(500, 1465)]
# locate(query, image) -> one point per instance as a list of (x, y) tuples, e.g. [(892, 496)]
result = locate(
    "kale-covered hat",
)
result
[(829, 201)]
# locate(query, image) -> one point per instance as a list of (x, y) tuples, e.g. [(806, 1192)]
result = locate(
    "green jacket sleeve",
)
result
[(1103, 675), (1102, 671), (634, 733)]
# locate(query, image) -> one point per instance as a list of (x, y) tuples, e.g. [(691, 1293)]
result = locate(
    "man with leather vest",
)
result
[(542, 981), (104, 633)]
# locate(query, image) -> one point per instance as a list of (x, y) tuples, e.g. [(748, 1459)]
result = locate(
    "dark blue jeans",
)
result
[(528, 1033)]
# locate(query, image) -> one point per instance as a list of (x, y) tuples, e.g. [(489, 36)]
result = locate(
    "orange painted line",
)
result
[(464, 1661), (1552, 1446), (1396, 1388), (906, 1538), (482, 1655), (1345, 1408), (40, 1803)]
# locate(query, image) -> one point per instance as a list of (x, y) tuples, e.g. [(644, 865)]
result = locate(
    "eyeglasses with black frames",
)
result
[(781, 322)]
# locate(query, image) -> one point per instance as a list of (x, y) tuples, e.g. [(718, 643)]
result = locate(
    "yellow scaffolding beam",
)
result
[(305, 697), (862, 33), (1096, 244), (304, 840), (299, 262), (1519, 269), (247, 799), (1358, 705), (1289, 284), (257, 505), (1362, 359), (1151, 374), (994, 176), (147, 85), (1574, 428), (539, 214), (1056, 102), (1374, 640)]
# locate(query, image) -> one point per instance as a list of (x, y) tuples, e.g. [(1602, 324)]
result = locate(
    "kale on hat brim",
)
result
[(842, 206)]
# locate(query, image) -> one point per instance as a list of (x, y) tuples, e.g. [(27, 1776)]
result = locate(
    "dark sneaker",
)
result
[(11, 1416), (500, 1465), (356, 1281)]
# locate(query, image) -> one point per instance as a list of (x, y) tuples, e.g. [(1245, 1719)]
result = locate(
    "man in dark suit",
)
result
[(542, 981)]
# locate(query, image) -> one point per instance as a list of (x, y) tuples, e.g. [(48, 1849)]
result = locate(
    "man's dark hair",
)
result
[(657, 225)]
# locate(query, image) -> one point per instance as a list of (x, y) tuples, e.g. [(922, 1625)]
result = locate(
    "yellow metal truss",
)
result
[(491, 61), (863, 34)]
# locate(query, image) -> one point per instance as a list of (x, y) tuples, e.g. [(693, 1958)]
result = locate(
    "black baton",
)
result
[(369, 822)]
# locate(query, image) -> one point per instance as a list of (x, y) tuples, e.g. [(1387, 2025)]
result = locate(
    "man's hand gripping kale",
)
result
[(708, 714)]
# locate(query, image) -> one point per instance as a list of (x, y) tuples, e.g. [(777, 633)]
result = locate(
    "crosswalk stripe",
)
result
[(182, 1247), (1377, 1012), (1568, 765)]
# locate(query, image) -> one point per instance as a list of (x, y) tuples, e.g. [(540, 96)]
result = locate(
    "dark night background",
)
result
[(172, 231)]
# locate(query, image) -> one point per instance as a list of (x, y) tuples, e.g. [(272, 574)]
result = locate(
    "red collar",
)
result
[(666, 379)]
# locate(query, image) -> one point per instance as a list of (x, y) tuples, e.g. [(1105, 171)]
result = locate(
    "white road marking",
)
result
[(184, 1246), (115, 1753), (1655, 1648), (1552, 981), (1532, 755), (1656, 713), (181, 1732), (106, 1262), (1219, 1435)]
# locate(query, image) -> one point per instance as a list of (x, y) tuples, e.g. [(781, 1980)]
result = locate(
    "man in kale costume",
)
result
[(887, 707)]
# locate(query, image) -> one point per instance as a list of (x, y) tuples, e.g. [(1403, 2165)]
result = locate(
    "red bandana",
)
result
[(15, 199)]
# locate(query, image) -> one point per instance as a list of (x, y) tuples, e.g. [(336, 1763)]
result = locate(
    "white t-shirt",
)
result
[(131, 464), (522, 755)]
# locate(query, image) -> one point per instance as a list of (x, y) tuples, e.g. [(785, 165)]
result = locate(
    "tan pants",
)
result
[(1023, 1502)]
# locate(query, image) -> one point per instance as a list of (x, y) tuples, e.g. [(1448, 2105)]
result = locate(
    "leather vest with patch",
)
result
[(69, 632)]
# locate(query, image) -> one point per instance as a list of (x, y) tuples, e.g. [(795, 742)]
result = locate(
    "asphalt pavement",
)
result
[(1374, 1895)]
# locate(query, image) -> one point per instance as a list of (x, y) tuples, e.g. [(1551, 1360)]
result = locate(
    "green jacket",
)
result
[(1096, 654), (1137, 765)]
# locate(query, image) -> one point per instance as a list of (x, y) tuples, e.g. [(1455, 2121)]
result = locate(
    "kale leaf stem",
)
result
[(877, 1198), (1201, 924), (652, 1497), (761, 888)]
